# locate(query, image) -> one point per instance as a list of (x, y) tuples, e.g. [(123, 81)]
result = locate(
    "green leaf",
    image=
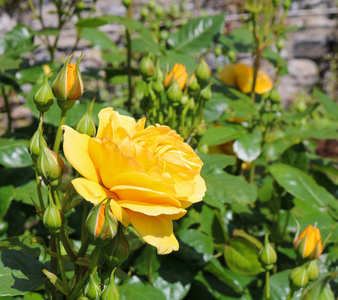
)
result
[(330, 106), (91, 22), (236, 281), (248, 146), (9, 63), (219, 135), (241, 257), (225, 188), (148, 255), (20, 271), (14, 154), (214, 162), (141, 291), (276, 60), (199, 241), (214, 109), (173, 278), (98, 39), (168, 60), (296, 157), (6, 196), (239, 40), (301, 185), (279, 285), (291, 117), (197, 35)]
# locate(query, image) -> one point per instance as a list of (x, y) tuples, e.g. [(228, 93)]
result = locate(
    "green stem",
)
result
[(91, 269), (84, 217), (59, 131), (62, 269), (67, 246), (252, 173), (290, 294), (8, 109), (84, 247), (267, 285), (38, 188), (150, 265), (130, 88)]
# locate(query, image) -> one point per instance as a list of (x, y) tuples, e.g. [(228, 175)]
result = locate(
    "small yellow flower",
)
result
[(309, 243), (150, 174), (178, 73), (241, 75)]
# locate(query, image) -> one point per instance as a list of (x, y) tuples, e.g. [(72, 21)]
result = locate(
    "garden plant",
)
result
[(155, 175)]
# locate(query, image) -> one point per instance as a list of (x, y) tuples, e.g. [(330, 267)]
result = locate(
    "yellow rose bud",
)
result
[(44, 97), (68, 84), (178, 74), (49, 165), (101, 224), (309, 244)]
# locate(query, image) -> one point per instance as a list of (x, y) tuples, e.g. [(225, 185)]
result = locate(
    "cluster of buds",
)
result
[(175, 98)]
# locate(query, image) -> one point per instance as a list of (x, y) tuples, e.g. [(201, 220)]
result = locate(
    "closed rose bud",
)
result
[(111, 291), (117, 251), (86, 124), (298, 278), (101, 224), (68, 84), (218, 50), (34, 143), (313, 270), (158, 87), (275, 96), (44, 97), (276, 3), (127, 3), (232, 56), (174, 93), (308, 244), (280, 44), (158, 11), (147, 68), (185, 100), (49, 165), (151, 5), (267, 255), (206, 93), (92, 289), (286, 4), (178, 74), (191, 103), (193, 85), (202, 72), (53, 218), (144, 12), (158, 74)]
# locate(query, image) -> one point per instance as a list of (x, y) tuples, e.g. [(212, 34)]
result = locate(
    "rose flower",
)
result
[(150, 174)]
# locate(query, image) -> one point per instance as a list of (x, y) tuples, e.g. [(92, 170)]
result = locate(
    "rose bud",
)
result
[(158, 87), (174, 93), (68, 84), (111, 291), (202, 72), (86, 124), (127, 3), (49, 165), (178, 74), (53, 218), (158, 74), (267, 255), (275, 96), (313, 270), (206, 93), (101, 224), (298, 278), (92, 289), (309, 244), (193, 85), (34, 143), (147, 68), (117, 251), (44, 97)]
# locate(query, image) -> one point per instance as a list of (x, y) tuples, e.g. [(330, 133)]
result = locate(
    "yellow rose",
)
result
[(150, 174), (178, 73), (241, 75)]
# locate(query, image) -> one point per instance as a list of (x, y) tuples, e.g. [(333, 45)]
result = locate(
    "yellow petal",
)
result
[(155, 231), (149, 209), (104, 128), (95, 193), (244, 77), (144, 195), (263, 83), (198, 193), (227, 75), (75, 148)]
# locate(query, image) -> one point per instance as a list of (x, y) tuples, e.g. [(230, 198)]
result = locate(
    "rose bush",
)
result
[(150, 174)]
